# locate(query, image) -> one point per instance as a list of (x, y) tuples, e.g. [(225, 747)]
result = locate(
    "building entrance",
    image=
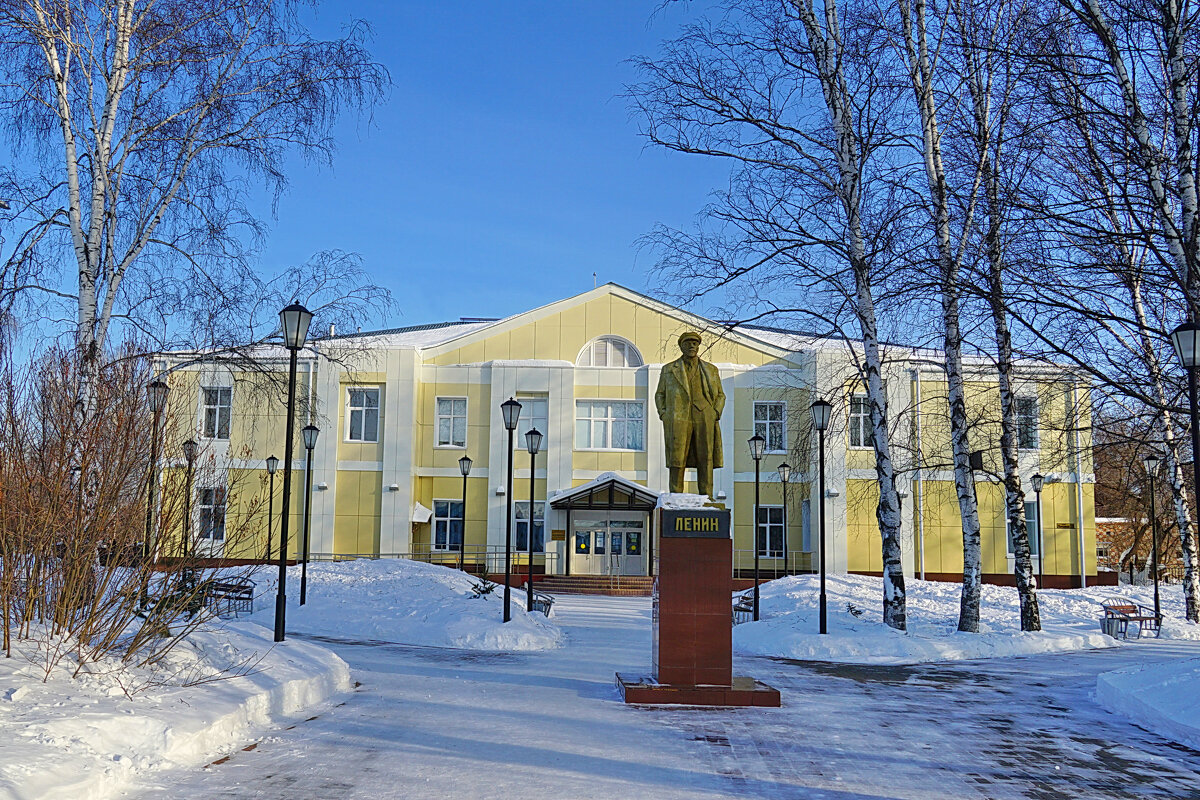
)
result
[(609, 527), (608, 546)]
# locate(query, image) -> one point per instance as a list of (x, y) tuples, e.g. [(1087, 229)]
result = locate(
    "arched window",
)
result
[(609, 351)]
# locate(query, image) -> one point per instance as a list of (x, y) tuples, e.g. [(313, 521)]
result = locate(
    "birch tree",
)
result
[(1121, 86), (996, 136), (142, 129), (796, 102), (951, 216)]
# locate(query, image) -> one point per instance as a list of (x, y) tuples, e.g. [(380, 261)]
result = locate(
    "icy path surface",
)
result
[(436, 723)]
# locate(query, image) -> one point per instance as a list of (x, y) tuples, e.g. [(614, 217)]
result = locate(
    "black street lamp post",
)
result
[(156, 392), (510, 409), (272, 465), (189, 455), (464, 466), (821, 410), (1186, 339), (758, 446), (294, 320), (309, 434), (533, 443), (1151, 467), (785, 477), (1038, 481)]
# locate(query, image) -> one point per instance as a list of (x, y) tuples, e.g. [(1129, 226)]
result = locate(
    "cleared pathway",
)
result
[(431, 723)]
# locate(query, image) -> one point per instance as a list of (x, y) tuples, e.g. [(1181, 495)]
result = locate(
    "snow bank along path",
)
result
[(395, 600), (1164, 698), (83, 739), (1070, 621)]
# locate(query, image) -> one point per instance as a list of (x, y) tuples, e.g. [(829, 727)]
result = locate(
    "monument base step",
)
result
[(643, 690)]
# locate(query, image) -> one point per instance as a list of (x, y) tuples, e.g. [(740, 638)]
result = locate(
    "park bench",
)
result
[(229, 597), (1120, 613), (743, 607), (541, 601)]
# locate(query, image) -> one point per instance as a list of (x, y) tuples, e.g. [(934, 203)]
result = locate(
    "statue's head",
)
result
[(689, 343)]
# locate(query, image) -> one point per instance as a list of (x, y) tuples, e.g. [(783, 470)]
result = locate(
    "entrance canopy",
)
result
[(608, 490)]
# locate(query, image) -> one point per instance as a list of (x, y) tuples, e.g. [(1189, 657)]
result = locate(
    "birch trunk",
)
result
[(1174, 469), (991, 98), (825, 44), (921, 73)]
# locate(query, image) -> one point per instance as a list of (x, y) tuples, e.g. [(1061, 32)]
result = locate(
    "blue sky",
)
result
[(504, 168)]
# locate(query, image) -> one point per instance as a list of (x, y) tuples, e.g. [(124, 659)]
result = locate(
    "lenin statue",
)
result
[(690, 400)]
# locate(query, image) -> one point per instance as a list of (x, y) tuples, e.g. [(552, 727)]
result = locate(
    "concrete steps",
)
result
[(612, 586)]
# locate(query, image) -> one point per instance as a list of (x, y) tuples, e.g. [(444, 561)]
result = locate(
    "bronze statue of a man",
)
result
[(690, 400)]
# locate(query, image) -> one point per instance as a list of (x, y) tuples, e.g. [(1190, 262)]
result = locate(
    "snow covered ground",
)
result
[(1164, 698), (437, 722), (395, 600), (88, 737), (1070, 621)]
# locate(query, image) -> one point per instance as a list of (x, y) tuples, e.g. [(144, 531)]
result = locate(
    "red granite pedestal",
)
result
[(693, 627)]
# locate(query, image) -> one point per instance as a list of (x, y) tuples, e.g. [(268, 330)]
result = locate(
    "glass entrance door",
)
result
[(608, 547)]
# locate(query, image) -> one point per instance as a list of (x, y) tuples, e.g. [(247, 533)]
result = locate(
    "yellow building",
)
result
[(399, 408)]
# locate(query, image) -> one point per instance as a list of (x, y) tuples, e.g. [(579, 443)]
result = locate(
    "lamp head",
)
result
[(785, 472), (1038, 480), (510, 409), (533, 441), (294, 320), (189, 451), (156, 391), (309, 433), (1151, 462), (1186, 340), (272, 465), (758, 446), (464, 465), (821, 411)]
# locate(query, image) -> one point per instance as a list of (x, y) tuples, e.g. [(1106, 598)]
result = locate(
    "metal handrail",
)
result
[(478, 559), (798, 562)]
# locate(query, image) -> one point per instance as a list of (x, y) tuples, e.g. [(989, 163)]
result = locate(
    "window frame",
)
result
[(524, 425), (449, 519), (867, 434), (204, 409), (438, 416), (350, 409), (518, 522), (1030, 526), (759, 527), (1036, 420), (782, 423), (202, 531), (608, 429), (608, 340)]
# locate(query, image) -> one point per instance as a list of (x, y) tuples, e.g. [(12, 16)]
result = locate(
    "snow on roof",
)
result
[(415, 335)]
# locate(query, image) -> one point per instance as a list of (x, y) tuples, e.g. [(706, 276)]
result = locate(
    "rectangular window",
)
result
[(770, 531), (452, 422), (806, 526), (362, 415), (218, 409), (610, 425), (533, 415), (1027, 423), (212, 513), (1030, 526), (521, 528), (770, 422), (447, 525), (860, 422)]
